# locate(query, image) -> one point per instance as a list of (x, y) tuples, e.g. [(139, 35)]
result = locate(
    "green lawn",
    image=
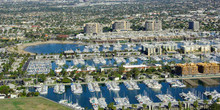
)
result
[(30, 103)]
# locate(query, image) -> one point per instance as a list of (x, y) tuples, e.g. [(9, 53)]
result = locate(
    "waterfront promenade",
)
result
[(140, 80)]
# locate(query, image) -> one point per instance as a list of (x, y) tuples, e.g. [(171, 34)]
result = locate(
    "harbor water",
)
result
[(83, 99)]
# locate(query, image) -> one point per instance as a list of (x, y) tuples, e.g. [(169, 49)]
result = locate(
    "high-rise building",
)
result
[(153, 25), (194, 25), (92, 28), (121, 26)]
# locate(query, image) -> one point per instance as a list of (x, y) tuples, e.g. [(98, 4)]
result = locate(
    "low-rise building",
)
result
[(150, 49)]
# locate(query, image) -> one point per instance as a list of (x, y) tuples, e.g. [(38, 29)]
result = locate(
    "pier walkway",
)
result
[(153, 106), (209, 81), (190, 82)]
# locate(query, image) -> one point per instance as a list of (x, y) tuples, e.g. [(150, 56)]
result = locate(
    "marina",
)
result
[(109, 96)]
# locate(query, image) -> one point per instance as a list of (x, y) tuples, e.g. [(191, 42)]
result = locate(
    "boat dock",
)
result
[(155, 105), (190, 82), (209, 81)]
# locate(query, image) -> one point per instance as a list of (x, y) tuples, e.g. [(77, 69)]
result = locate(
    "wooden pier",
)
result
[(190, 82), (209, 81)]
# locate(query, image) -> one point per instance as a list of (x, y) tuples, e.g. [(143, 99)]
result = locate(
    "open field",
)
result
[(30, 103)]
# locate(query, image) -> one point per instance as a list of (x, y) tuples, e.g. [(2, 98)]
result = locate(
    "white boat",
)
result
[(42, 89), (122, 101), (76, 88), (96, 87), (61, 62), (112, 86), (175, 83), (143, 99), (59, 88), (81, 61), (58, 70), (128, 85), (189, 96), (134, 85), (75, 61), (166, 98), (153, 84), (102, 102), (91, 88), (132, 59), (156, 58)]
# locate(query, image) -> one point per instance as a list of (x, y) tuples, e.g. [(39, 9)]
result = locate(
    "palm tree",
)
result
[(144, 106), (123, 107), (195, 104), (169, 105), (180, 105), (159, 107), (132, 106), (205, 102)]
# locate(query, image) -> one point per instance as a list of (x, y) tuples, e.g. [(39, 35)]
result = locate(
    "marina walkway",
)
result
[(209, 81), (190, 82), (153, 106)]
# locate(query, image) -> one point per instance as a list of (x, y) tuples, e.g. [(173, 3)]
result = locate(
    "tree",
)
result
[(110, 105), (180, 105), (36, 93), (66, 80), (144, 106), (41, 77), (4, 89), (169, 105), (214, 106), (121, 69), (123, 107), (205, 102), (196, 104), (107, 29)]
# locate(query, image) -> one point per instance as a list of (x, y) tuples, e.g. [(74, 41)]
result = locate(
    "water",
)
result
[(59, 48), (83, 99)]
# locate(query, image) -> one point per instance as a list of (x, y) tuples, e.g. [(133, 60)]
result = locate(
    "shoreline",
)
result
[(139, 80), (21, 47)]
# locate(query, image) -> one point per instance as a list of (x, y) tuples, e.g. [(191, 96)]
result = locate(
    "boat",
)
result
[(166, 98), (143, 99), (76, 88), (128, 85), (175, 83), (134, 85), (112, 86), (152, 84), (91, 88), (94, 102), (122, 101), (96, 87), (42, 89), (61, 62), (189, 96), (59, 88)]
